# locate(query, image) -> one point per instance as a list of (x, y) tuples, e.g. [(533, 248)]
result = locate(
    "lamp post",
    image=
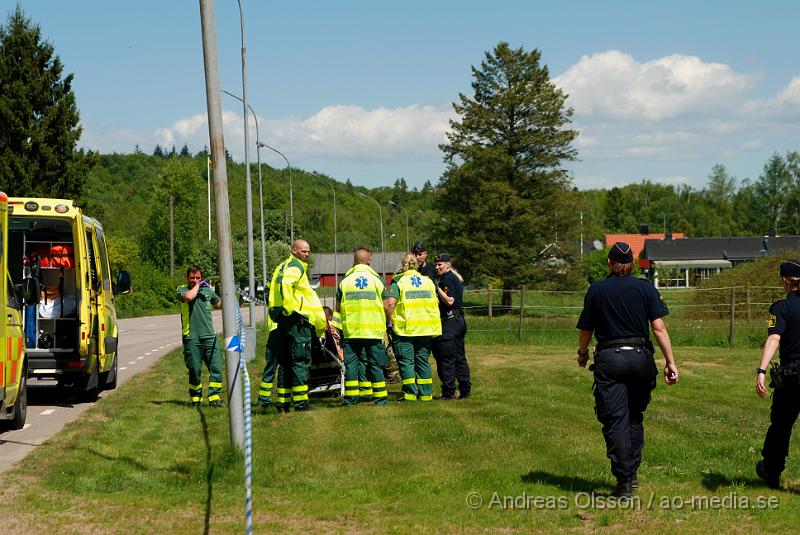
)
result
[(291, 195), (380, 216), (408, 244), (335, 244), (260, 202), (248, 185)]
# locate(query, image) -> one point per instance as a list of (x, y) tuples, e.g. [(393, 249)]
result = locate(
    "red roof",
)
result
[(636, 241)]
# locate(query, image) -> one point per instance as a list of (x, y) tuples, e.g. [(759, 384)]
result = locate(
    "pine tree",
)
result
[(504, 181), (39, 121)]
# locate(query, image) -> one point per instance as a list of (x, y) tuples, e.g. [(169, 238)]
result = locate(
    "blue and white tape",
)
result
[(238, 343)]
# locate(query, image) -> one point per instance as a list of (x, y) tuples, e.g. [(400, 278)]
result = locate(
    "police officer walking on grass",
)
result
[(619, 311), (448, 349), (784, 332)]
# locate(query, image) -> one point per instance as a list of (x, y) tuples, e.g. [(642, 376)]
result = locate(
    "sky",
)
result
[(363, 90)]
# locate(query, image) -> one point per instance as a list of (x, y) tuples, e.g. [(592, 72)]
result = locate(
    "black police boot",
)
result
[(771, 481), (623, 489), (635, 481)]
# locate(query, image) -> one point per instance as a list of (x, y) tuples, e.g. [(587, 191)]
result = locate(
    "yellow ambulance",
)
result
[(13, 378), (58, 258)]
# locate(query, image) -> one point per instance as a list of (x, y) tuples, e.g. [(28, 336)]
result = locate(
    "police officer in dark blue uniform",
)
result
[(423, 266), (620, 310), (448, 349), (784, 331)]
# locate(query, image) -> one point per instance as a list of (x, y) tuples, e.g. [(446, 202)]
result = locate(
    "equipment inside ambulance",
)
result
[(59, 259)]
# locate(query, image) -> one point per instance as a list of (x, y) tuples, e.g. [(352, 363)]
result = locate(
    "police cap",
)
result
[(418, 247), (790, 268), (444, 257), (621, 253)]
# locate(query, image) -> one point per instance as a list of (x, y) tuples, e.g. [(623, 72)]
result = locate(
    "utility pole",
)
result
[(229, 326), (171, 238), (335, 240), (251, 268), (260, 204)]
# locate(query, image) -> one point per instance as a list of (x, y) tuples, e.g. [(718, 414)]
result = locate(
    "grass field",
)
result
[(524, 454)]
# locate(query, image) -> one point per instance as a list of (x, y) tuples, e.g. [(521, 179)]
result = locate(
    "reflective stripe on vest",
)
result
[(336, 321), (361, 307), (417, 311), (184, 314)]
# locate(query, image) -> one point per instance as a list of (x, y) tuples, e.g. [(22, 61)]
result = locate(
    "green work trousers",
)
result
[(271, 366), (294, 359), (199, 351), (412, 354), (367, 357)]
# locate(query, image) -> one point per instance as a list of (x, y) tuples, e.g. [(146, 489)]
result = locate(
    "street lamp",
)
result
[(408, 245), (335, 244), (260, 203), (291, 196), (248, 186), (380, 215)]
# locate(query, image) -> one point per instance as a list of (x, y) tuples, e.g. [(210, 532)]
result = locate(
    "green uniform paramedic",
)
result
[(296, 309), (272, 349), (360, 304), (413, 307), (199, 339)]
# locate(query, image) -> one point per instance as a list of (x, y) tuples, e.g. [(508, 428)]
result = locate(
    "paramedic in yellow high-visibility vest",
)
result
[(271, 351), (413, 307), (297, 311), (200, 344), (360, 305)]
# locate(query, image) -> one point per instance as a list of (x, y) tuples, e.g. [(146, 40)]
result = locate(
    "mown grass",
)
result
[(560, 330), (140, 461)]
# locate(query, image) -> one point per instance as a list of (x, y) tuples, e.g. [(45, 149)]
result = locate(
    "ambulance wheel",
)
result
[(20, 410)]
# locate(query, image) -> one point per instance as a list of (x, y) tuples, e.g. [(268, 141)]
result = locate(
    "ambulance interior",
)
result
[(42, 249)]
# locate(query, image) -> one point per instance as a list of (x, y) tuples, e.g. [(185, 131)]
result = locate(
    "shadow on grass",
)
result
[(209, 471), (180, 403), (714, 480), (568, 483), (127, 460)]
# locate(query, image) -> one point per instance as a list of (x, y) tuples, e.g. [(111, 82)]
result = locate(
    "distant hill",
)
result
[(119, 191)]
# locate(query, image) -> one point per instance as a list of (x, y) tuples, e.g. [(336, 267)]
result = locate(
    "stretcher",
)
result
[(326, 373)]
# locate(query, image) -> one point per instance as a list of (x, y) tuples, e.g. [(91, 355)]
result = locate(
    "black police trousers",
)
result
[(623, 381), (785, 409), (451, 358)]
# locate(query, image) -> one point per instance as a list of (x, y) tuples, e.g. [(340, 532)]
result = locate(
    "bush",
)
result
[(762, 275), (153, 293)]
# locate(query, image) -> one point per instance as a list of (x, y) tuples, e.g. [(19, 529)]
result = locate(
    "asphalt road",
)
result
[(142, 341)]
